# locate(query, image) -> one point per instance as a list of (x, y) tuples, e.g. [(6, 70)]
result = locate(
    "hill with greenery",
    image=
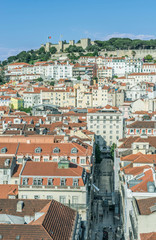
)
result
[(92, 50), (123, 44), (31, 56)]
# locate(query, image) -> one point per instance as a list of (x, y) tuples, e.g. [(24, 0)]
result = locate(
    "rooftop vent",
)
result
[(20, 205)]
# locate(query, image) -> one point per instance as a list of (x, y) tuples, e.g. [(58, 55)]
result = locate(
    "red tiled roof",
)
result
[(144, 205), (142, 186), (50, 169), (8, 189), (148, 236)]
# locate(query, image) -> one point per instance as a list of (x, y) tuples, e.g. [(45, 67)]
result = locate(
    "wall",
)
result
[(139, 53)]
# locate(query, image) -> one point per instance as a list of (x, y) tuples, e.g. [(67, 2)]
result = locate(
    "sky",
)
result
[(25, 25)]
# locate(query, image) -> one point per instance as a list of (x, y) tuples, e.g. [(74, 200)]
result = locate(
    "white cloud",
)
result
[(7, 52), (129, 35), (101, 36)]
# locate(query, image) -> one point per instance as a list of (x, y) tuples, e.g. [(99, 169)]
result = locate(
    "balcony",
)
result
[(134, 230), (49, 187), (77, 206)]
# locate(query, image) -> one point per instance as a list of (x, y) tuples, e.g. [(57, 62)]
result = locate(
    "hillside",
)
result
[(112, 44)]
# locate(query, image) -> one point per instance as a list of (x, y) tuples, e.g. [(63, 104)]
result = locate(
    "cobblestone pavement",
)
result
[(102, 216)]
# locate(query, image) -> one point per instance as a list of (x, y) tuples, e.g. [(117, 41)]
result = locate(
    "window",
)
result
[(36, 197), (50, 181), (46, 159), (73, 160), (38, 150), (20, 160), (75, 200), (49, 197), (131, 131), (83, 161), (37, 181), (74, 150), (149, 131), (54, 159), (56, 150), (25, 181), (137, 131), (75, 182), (63, 181), (36, 159), (143, 131), (5, 172), (62, 199), (24, 196)]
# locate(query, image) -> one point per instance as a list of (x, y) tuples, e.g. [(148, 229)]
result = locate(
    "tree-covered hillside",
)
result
[(125, 43), (110, 45)]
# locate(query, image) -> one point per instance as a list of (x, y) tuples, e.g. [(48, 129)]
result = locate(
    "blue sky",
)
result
[(24, 25)]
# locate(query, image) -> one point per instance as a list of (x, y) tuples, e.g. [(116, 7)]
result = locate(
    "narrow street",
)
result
[(102, 206)]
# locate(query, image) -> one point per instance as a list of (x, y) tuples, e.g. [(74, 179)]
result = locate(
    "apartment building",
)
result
[(83, 69), (149, 67), (31, 98), (107, 123), (137, 186), (103, 72), (63, 181), (141, 127)]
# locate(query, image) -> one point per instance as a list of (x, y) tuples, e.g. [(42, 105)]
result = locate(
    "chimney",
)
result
[(20, 205)]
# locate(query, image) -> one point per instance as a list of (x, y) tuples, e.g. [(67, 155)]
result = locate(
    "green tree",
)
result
[(113, 147), (98, 158), (27, 110), (133, 53), (148, 58), (41, 50), (39, 79), (78, 78), (52, 50), (52, 83)]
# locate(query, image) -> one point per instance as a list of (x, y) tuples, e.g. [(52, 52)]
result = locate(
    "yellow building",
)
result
[(17, 103)]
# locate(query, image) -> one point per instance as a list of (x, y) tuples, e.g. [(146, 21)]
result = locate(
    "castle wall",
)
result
[(139, 53)]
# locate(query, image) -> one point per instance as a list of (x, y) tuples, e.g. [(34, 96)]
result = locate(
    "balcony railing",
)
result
[(133, 227), (50, 186), (77, 206)]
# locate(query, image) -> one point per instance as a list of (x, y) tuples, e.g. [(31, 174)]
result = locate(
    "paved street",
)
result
[(102, 211)]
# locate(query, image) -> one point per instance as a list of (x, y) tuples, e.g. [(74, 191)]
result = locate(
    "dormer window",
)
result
[(4, 150), (56, 150), (74, 150), (38, 150), (7, 162)]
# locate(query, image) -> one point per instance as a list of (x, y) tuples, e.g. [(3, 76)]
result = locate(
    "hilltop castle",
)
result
[(62, 45)]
